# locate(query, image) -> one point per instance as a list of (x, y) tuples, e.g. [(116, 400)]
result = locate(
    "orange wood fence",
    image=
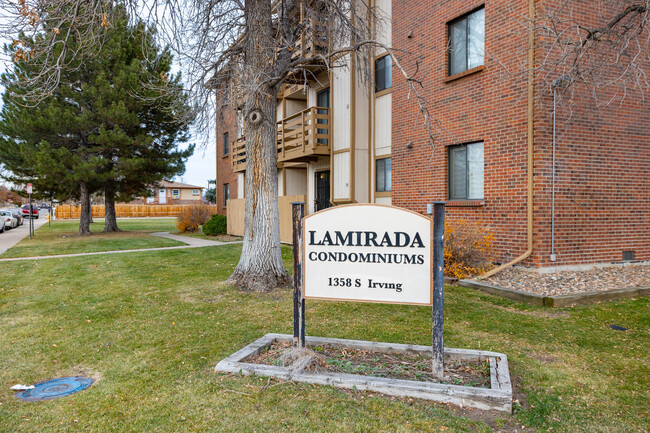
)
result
[(66, 211)]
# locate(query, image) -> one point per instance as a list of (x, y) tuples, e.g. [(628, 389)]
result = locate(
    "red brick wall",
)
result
[(488, 106), (225, 175), (603, 156), (602, 200)]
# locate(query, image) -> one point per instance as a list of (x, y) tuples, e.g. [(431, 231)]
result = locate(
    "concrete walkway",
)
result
[(195, 242), (11, 237), (190, 241)]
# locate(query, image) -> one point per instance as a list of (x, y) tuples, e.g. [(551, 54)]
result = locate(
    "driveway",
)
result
[(11, 237)]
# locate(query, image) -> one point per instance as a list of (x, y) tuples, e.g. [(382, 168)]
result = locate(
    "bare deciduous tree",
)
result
[(603, 45), (241, 50)]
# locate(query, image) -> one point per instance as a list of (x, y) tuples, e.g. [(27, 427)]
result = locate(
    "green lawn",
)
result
[(63, 238), (151, 326)]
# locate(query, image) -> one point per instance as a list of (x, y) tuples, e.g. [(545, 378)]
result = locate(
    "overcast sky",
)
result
[(201, 166)]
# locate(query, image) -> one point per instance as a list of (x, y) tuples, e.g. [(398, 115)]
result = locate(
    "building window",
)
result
[(196, 192), (383, 73), (176, 194), (466, 172), (226, 193), (226, 144), (383, 175), (466, 42)]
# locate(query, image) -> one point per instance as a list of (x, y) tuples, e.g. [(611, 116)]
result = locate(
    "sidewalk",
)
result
[(11, 237), (191, 243), (195, 242)]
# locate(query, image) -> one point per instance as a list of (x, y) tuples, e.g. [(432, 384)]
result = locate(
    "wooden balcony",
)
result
[(300, 138), (304, 135), (313, 39), (238, 155)]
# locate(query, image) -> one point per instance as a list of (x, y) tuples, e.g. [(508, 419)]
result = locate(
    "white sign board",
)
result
[(369, 253), (29, 188)]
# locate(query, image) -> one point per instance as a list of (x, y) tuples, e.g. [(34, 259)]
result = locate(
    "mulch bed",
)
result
[(404, 366)]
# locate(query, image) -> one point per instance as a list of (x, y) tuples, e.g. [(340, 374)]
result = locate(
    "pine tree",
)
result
[(113, 123)]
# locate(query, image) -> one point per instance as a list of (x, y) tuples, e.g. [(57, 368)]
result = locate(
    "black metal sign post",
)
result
[(438, 287), (298, 213)]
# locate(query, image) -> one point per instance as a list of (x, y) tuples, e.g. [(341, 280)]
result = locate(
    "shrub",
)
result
[(216, 226), (468, 248), (191, 217)]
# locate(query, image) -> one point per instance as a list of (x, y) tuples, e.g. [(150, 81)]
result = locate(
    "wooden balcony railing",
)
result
[(313, 39), (304, 134), (238, 154)]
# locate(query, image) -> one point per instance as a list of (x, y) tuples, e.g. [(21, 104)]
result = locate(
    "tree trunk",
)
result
[(90, 211), (84, 219), (110, 224), (260, 266)]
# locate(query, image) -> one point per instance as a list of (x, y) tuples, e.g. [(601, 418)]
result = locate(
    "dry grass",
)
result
[(152, 326)]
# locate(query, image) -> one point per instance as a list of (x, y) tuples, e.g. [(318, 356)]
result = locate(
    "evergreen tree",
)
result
[(113, 124)]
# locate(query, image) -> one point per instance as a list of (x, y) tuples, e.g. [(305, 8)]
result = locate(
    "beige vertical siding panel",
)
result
[(361, 143), (296, 181), (383, 200), (384, 24), (341, 176), (241, 185), (383, 124), (341, 109)]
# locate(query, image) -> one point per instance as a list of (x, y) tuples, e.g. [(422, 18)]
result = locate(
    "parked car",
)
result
[(18, 214), (45, 206), (2, 225), (10, 221), (34, 213)]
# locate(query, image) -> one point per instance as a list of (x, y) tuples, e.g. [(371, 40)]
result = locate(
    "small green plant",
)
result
[(217, 225)]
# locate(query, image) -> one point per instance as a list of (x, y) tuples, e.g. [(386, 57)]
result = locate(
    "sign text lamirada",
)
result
[(368, 253)]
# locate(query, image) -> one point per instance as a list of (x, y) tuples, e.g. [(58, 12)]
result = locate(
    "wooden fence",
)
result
[(66, 211), (236, 212)]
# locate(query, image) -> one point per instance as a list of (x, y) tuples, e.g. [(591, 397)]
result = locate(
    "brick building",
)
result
[(226, 186), (590, 203)]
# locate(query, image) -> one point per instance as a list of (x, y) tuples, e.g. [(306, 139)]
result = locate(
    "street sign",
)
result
[(29, 188)]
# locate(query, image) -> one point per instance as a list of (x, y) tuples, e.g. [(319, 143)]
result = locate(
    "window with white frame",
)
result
[(226, 193), (196, 192), (466, 42), (466, 171), (176, 194)]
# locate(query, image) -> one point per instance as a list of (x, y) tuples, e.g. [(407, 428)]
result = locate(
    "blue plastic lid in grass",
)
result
[(55, 388)]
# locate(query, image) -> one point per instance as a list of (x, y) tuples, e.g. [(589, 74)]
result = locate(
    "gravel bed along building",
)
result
[(572, 282)]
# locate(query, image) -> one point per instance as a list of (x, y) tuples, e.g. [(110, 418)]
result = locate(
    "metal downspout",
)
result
[(531, 94), (553, 185)]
